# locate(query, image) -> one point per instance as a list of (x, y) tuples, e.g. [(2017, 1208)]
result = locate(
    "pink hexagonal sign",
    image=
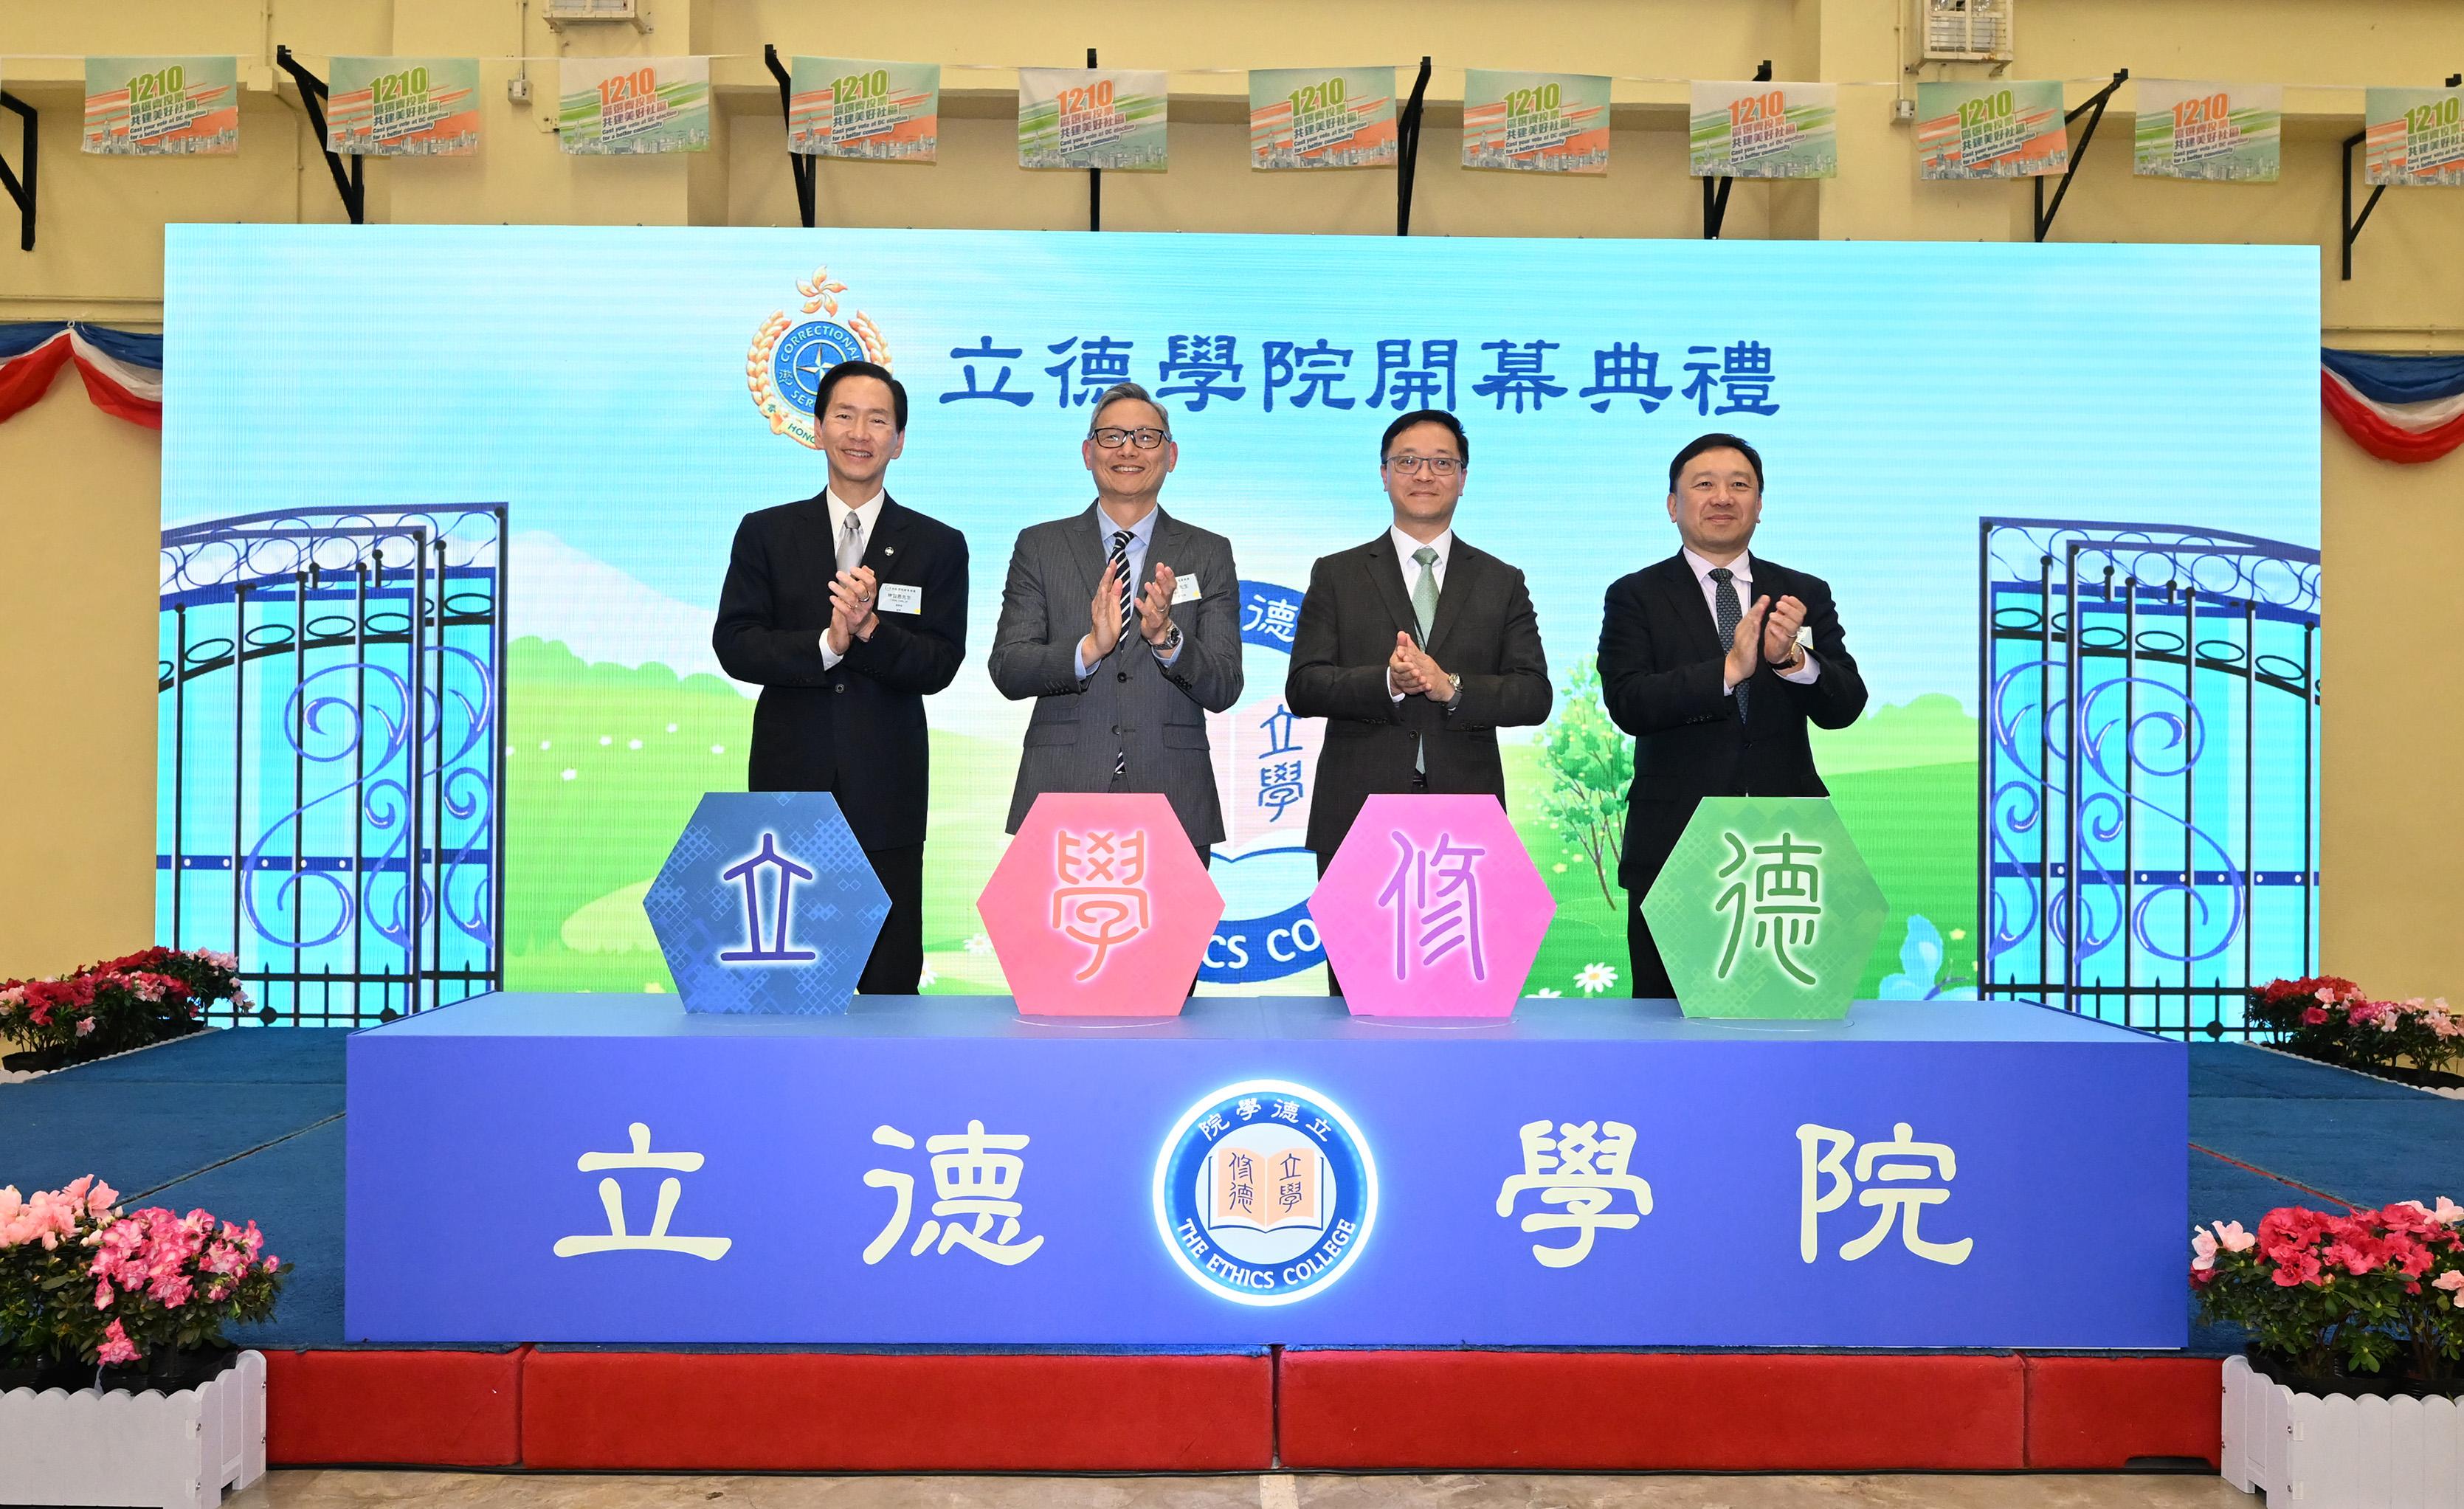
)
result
[(1100, 907), (1432, 909)]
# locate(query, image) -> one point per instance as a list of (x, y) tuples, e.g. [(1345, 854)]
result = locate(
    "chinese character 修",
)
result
[(986, 352), (1434, 894), (611, 1197), (1786, 902), (1583, 1169), (975, 1177), (1891, 1187), (1102, 901)]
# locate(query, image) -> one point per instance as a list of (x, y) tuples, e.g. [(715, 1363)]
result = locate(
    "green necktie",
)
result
[(1424, 607)]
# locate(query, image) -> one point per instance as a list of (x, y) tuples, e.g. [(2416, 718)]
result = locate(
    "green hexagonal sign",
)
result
[(1765, 908)]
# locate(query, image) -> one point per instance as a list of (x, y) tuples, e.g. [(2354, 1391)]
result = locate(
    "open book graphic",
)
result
[(1255, 1187)]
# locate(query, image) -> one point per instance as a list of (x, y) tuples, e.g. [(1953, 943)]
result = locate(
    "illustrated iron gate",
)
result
[(2148, 768), (332, 756)]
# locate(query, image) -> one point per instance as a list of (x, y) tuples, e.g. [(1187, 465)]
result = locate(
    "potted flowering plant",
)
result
[(130, 1305), (2331, 1020), (2363, 1307), (110, 1007)]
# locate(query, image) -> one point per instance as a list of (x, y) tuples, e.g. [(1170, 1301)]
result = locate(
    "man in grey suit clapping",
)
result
[(1121, 622)]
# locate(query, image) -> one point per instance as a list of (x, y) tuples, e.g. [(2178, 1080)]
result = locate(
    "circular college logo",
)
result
[(1265, 1192), (784, 366)]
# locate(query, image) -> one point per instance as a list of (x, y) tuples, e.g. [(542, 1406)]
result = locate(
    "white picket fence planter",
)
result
[(2367, 1454), (178, 1451)]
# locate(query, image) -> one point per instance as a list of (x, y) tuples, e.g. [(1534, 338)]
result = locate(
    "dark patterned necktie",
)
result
[(1729, 615), (1128, 611)]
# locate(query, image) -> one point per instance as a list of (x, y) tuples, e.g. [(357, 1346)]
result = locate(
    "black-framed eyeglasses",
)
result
[(1114, 437), (1439, 466)]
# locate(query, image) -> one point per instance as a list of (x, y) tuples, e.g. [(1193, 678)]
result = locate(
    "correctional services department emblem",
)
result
[(1265, 1192), (783, 369)]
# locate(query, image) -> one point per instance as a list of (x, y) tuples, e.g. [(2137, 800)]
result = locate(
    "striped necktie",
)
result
[(1128, 611)]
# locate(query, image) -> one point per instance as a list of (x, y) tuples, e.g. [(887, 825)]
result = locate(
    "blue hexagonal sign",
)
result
[(767, 904)]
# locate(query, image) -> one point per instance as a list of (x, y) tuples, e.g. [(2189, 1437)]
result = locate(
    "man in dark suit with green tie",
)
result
[(1416, 647)]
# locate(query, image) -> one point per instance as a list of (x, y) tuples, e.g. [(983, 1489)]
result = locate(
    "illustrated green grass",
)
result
[(606, 763)]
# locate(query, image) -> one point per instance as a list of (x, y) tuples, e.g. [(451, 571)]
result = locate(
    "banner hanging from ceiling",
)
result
[(623, 106), (1991, 129), (162, 106), (2213, 132), (1322, 118), (865, 108), (1536, 122), (1764, 130), (1092, 118), (403, 107)]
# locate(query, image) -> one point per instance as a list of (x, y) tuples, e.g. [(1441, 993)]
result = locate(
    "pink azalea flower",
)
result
[(2233, 1238), (2448, 1212), (2205, 1246), (116, 1348), (103, 1295), (85, 1025)]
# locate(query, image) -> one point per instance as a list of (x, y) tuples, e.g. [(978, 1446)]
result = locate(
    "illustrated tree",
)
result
[(1590, 765)]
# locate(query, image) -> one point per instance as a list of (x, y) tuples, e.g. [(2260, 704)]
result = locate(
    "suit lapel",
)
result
[(816, 546), (1386, 576), (1685, 595), (1463, 566), (881, 551), (1087, 549), (1166, 546)]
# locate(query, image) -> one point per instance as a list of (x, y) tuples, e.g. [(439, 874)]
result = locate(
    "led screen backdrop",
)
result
[(626, 394)]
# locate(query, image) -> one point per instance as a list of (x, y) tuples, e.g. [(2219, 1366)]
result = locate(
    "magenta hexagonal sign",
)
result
[(1100, 907), (1432, 909)]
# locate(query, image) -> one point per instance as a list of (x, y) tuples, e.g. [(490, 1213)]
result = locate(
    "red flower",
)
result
[(2313, 1016)]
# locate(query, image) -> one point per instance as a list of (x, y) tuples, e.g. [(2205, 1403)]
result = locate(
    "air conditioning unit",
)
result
[(560, 13), (1967, 31)]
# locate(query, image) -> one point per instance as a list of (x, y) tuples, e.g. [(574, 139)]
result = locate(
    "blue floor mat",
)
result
[(2239, 1069), (234, 1056)]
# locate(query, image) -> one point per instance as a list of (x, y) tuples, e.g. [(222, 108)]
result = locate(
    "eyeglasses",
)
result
[(1439, 466), (1114, 438)]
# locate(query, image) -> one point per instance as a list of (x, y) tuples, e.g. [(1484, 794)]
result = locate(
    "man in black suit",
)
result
[(1414, 647), (849, 610), (1702, 660)]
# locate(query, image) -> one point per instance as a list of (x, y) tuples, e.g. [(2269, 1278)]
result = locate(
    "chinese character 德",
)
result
[(1100, 362), (611, 1197), (1102, 901), (975, 1177), (1786, 902), (1582, 1169), (1891, 1190)]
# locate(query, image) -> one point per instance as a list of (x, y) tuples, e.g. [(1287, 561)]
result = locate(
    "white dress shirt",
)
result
[(1141, 535), (1404, 545), (1740, 576), (866, 514)]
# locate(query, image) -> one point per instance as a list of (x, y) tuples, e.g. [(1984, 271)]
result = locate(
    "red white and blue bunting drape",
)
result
[(122, 371), (2397, 409)]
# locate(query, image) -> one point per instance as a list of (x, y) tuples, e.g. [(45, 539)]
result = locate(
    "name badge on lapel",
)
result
[(1184, 589), (897, 597)]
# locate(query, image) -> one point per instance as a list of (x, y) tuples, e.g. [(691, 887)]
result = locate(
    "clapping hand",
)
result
[(1742, 656), (851, 614), (1155, 608), (1414, 672), (1105, 612), (1779, 630)]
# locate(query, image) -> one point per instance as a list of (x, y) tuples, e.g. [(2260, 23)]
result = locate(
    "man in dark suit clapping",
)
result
[(1704, 660), (849, 610), (1414, 647)]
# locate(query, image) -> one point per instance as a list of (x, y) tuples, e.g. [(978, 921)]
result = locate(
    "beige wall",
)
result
[(76, 763)]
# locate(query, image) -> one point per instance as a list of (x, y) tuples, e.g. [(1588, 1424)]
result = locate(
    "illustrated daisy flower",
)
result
[(1543, 994), (980, 945), (1596, 979), (925, 982)]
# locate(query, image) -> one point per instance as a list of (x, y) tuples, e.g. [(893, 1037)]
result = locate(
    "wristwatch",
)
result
[(1455, 681), (1795, 658), (1170, 647)]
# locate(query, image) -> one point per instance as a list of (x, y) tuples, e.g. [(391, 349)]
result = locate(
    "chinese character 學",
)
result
[(1100, 362), (1786, 902), (1891, 1190), (1522, 372), (1583, 1169), (1282, 782), (1402, 386), (611, 1197), (748, 871), (1625, 370), (988, 353), (1102, 901), (1432, 921), (1310, 372), (975, 1177), (1199, 367)]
